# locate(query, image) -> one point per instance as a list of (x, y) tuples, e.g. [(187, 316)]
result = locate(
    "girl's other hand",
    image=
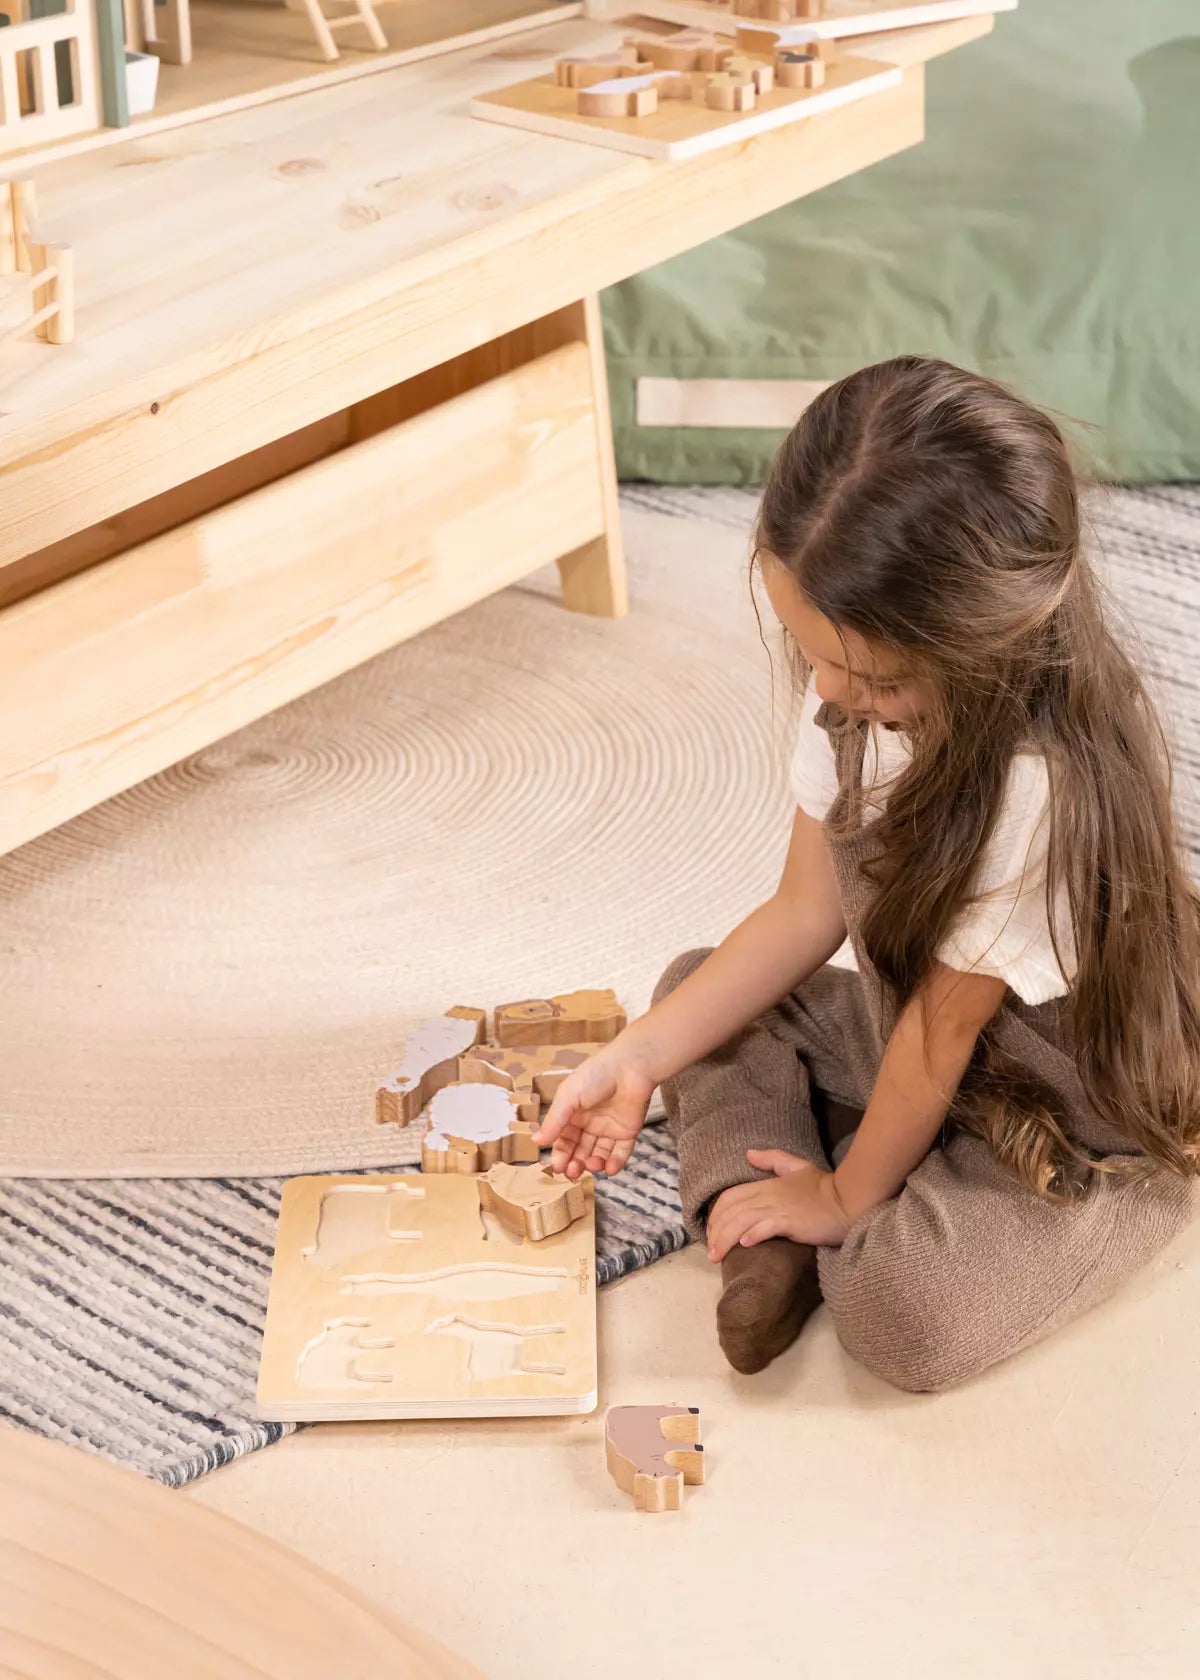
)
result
[(800, 1203), (597, 1113)]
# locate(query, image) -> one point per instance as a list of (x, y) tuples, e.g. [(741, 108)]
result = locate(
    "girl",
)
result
[(948, 1076)]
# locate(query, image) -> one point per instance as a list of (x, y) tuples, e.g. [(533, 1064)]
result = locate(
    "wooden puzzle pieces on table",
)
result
[(675, 96), (652, 1451), (393, 1296), (531, 1201)]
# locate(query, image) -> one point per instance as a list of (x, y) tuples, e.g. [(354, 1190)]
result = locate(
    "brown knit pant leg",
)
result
[(756, 1092), (966, 1266)]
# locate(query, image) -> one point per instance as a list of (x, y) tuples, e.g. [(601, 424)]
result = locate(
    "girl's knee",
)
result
[(902, 1327), (677, 972)]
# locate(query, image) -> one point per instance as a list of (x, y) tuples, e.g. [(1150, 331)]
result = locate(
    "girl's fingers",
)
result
[(618, 1155), (725, 1233), (565, 1150), (760, 1232), (565, 1109), (778, 1161)]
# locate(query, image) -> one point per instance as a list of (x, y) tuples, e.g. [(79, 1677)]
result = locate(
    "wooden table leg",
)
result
[(593, 577)]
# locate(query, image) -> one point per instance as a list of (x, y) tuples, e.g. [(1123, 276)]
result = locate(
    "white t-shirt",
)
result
[(1004, 931)]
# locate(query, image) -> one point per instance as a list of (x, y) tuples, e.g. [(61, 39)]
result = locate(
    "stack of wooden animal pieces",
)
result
[(694, 65), (484, 1099), (679, 95)]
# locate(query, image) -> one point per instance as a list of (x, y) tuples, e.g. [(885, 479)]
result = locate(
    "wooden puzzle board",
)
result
[(680, 128), (392, 1296), (838, 18)]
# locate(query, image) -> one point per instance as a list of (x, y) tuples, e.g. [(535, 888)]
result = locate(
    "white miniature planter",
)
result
[(141, 78)]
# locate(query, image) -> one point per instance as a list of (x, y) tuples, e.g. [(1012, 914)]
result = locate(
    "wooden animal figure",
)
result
[(686, 49), (430, 1061), (652, 1451), (589, 1017), (533, 1071), (769, 39), (531, 1201), (585, 72), (781, 11), (724, 92), (761, 74), (633, 96), (471, 1127), (799, 69)]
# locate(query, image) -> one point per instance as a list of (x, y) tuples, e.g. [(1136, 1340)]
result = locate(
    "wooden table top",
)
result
[(275, 261), (105, 1574)]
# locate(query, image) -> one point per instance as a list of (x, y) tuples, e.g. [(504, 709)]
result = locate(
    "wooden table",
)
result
[(106, 1574), (338, 374)]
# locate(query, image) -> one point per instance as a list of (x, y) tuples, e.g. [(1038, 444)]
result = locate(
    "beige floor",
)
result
[(1042, 1522)]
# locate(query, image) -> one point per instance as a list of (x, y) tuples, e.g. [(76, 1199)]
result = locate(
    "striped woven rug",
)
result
[(131, 1310)]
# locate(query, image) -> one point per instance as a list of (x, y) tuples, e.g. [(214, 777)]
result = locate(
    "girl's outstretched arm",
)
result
[(599, 1111)]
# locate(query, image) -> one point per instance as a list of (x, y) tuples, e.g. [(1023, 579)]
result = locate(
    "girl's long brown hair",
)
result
[(933, 511)]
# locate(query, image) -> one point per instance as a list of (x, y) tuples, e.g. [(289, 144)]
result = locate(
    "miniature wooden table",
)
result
[(338, 373)]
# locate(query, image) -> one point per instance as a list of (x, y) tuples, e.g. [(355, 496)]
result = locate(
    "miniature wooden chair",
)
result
[(50, 266), (361, 11)]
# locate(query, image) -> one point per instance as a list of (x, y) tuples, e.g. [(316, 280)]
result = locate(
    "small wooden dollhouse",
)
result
[(68, 67)]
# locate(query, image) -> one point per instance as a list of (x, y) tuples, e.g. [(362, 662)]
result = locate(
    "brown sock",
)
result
[(769, 1291)]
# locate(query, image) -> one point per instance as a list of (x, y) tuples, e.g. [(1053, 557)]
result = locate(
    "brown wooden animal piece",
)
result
[(771, 38), (533, 1071), (632, 96), (585, 72), (724, 92), (531, 1201), (430, 1061), (761, 74), (587, 1017), (652, 1451), (799, 69), (780, 11), (686, 49), (471, 1127)]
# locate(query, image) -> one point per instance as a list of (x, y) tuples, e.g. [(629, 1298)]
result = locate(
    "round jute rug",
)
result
[(210, 973)]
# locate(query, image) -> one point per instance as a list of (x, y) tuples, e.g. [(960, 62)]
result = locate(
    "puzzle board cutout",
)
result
[(681, 127), (834, 20), (395, 1296)]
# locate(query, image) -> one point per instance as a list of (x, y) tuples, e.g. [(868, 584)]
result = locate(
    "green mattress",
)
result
[(1047, 232)]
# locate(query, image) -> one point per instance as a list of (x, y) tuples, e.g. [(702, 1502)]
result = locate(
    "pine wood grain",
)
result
[(107, 1574), (146, 657), (293, 273)]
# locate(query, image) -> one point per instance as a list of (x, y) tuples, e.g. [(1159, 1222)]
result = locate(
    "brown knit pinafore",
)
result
[(966, 1264)]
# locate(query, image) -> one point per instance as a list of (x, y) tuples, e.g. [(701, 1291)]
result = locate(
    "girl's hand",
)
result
[(800, 1203), (596, 1115)]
